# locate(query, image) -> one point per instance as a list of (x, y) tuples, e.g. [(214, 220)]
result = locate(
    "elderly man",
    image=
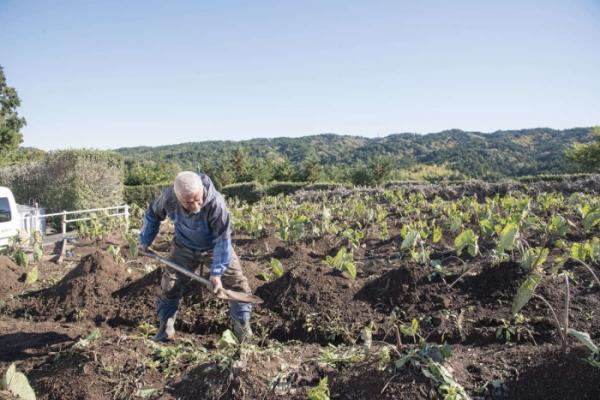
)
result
[(202, 229)]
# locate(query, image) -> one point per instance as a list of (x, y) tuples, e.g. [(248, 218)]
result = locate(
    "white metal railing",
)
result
[(119, 211)]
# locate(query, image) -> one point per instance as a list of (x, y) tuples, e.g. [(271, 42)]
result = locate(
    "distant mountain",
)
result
[(474, 154)]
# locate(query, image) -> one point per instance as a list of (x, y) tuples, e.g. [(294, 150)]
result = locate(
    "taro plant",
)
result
[(132, 244), (291, 230), (514, 328), (414, 243), (115, 252), (37, 243), (527, 290), (343, 261), (467, 240), (275, 269), (354, 237), (16, 250)]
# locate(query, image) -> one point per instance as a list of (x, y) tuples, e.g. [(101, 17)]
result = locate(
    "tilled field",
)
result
[(312, 325)]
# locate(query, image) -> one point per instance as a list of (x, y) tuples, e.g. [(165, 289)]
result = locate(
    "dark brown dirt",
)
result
[(85, 292), (312, 304), (11, 273), (315, 303)]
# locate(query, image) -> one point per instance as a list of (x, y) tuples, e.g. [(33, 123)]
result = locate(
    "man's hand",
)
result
[(216, 283)]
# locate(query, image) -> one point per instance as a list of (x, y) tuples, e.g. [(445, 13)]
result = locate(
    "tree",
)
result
[(587, 155), (311, 168), (10, 122), (381, 167)]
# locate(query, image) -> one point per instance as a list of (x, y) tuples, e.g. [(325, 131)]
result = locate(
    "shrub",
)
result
[(68, 180)]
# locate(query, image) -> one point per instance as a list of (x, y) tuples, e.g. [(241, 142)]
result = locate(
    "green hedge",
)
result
[(142, 195), (552, 178), (68, 180), (246, 191), (327, 186), (284, 188)]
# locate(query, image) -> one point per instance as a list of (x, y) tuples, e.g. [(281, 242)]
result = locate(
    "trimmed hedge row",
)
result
[(253, 191), (68, 180), (142, 195)]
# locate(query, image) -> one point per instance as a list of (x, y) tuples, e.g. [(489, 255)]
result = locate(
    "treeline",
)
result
[(448, 155)]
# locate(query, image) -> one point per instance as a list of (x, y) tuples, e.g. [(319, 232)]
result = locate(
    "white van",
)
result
[(10, 217), (16, 218)]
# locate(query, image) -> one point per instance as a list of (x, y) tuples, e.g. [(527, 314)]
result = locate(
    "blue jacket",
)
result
[(209, 229)]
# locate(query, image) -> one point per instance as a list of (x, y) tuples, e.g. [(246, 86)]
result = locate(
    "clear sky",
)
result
[(108, 74)]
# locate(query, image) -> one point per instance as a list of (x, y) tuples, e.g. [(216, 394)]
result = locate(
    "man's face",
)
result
[(191, 202)]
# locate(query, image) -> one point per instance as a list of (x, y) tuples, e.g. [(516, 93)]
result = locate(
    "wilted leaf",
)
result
[(87, 340), (384, 358), (584, 338), (145, 393)]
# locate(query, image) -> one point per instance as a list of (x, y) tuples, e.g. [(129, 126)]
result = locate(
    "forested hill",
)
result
[(474, 154)]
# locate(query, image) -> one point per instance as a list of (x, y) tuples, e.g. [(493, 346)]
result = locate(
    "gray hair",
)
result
[(187, 182)]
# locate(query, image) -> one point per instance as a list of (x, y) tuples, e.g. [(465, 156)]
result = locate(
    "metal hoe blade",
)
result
[(224, 294)]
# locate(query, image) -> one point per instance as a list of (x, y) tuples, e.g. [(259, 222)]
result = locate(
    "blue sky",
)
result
[(108, 74)]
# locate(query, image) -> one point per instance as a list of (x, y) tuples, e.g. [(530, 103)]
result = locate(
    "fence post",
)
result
[(64, 223), (127, 217)]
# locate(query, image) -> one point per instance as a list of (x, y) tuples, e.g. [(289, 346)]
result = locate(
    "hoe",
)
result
[(224, 294)]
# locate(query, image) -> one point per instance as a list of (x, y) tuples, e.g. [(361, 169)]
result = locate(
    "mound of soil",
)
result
[(86, 291), (10, 273), (494, 282), (554, 375), (316, 303)]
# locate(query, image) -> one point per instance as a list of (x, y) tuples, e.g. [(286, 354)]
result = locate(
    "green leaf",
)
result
[(584, 338), (466, 239), (32, 276), (410, 240), (578, 251), (437, 234), (351, 268), (276, 267), (507, 237), (532, 258), (21, 258), (265, 276), (37, 252), (227, 340), (525, 292), (486, 227), (591, 220), (320, 392)]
